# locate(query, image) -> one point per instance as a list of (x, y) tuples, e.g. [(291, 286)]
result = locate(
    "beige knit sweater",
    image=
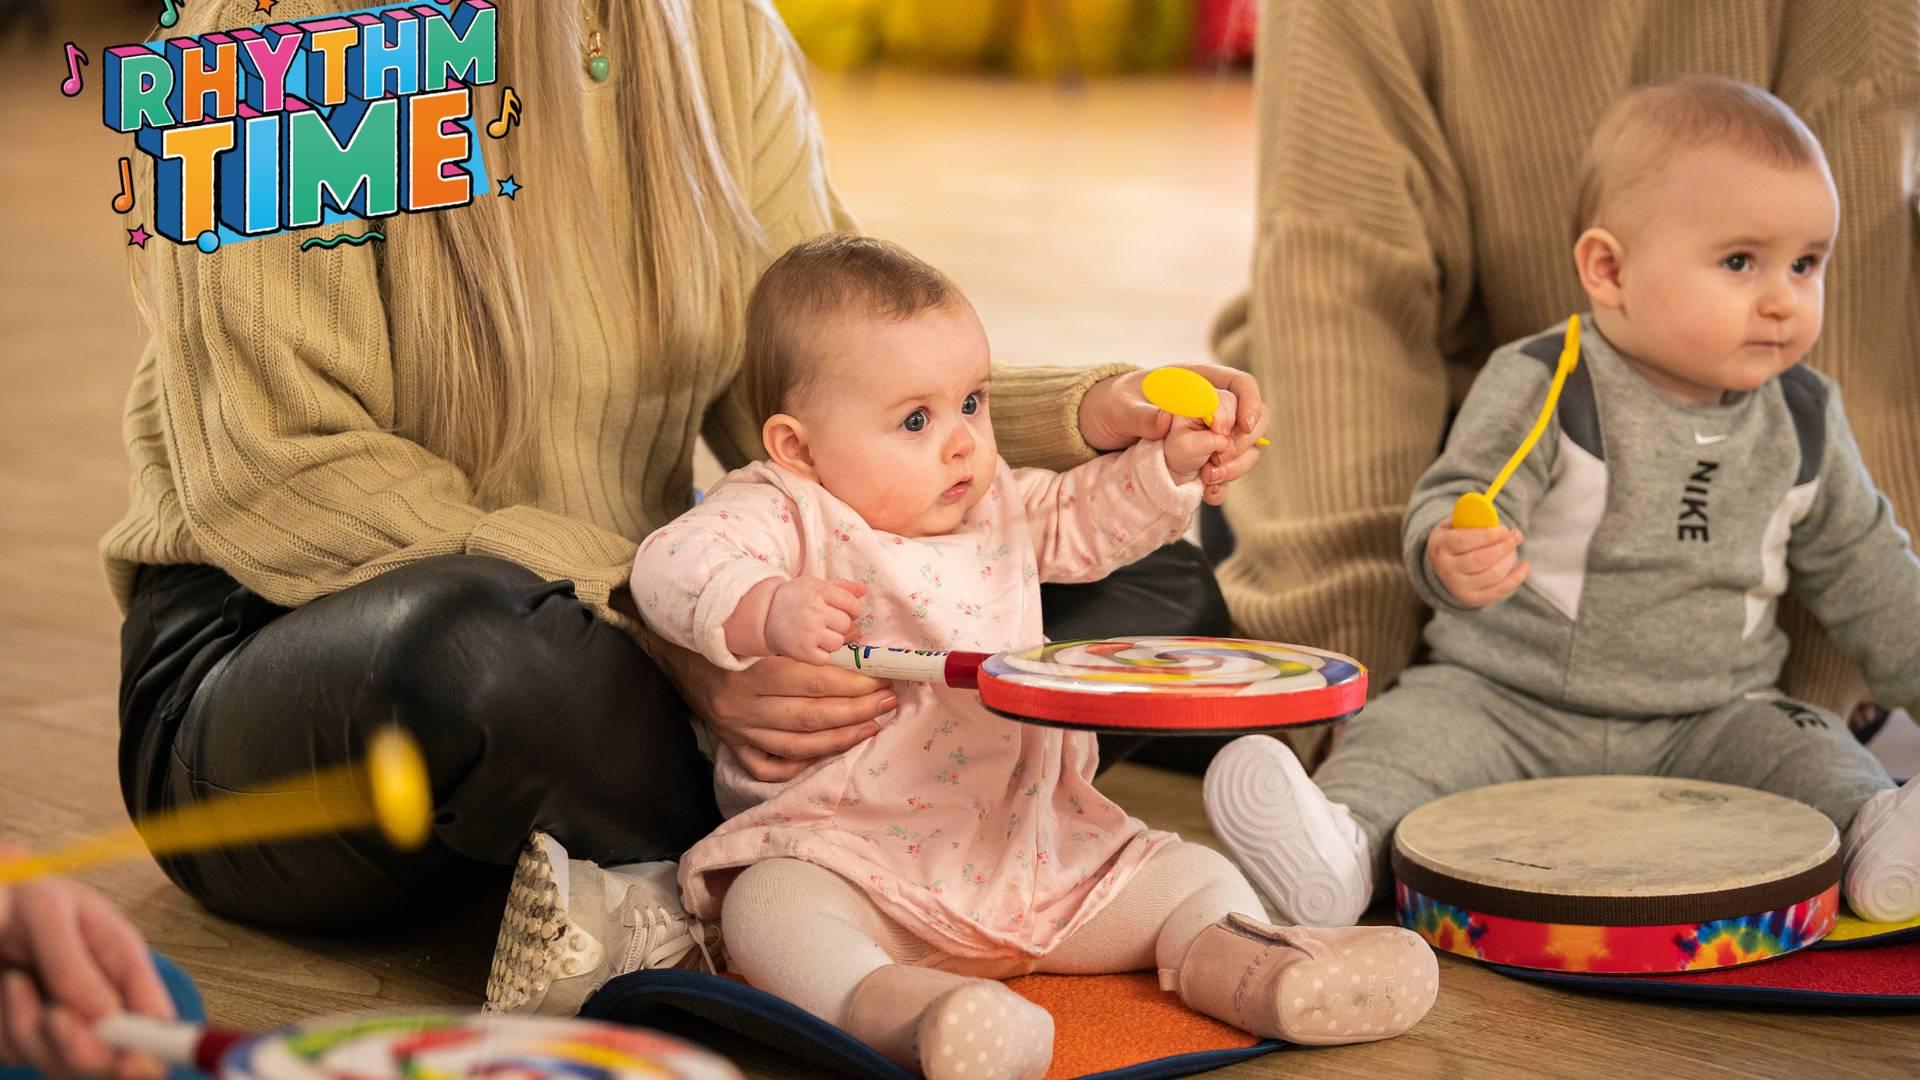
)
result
[(1417, 163), (261, 415)]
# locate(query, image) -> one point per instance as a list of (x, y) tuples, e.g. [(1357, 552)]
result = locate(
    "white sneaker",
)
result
[(571, 925), (1882, 856), (1305, 853)]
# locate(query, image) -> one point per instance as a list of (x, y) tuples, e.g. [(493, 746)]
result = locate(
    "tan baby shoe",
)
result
[(1309, 985)]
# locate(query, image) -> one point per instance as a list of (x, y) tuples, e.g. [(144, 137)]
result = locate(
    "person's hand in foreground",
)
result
[(67, 959)]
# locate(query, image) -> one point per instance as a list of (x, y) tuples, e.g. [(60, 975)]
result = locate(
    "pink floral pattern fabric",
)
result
[(982, 835)]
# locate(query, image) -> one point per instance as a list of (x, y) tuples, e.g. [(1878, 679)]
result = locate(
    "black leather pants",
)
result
[(532, 714)]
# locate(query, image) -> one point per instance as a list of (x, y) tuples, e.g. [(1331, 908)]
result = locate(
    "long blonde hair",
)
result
[(479, 287), (488, 271)]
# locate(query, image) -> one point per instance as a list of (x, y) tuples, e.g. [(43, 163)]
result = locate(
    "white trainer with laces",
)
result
[(572, 925), (1882, 856), (1306, 853)]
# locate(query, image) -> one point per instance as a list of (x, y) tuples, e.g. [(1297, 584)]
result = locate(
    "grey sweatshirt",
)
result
[(1662, 535)]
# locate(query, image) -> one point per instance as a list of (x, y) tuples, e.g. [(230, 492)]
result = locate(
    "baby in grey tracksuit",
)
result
[(1622, 617)]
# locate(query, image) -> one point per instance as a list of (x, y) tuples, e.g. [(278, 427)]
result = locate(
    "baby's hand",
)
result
[(1478, 566), (809, 618), (1190, 446)]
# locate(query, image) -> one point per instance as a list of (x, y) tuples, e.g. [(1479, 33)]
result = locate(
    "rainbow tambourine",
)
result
[(432, 1046), (1145, 685)]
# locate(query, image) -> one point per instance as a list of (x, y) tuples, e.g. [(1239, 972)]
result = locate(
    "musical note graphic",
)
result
[(75, 57), (171, 14), (123, 202), (509, 115)]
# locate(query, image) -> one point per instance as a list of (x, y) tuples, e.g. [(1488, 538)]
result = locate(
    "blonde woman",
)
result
[(403, 483)]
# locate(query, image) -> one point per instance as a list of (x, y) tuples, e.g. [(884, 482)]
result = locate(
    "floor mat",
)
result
[(1851, 932), (1111, 1027), (1849, 976)]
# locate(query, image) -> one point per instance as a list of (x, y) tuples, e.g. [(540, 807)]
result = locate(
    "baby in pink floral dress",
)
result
[(887, 889)]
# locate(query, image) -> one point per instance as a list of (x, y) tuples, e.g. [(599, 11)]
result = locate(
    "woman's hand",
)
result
[(779, 715), (67, 959), (1115, 414)]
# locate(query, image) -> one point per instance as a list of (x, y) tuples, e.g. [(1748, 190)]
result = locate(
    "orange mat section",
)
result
[(1103, 1022)]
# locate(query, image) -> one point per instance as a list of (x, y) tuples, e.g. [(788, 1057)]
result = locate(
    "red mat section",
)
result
[(1882, 978), (1889, 970)]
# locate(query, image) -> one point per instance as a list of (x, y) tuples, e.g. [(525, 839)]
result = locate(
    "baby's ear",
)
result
[(785, 438), (1597, 257)]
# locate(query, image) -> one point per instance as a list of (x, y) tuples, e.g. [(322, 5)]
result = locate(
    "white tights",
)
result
[(808, 935)]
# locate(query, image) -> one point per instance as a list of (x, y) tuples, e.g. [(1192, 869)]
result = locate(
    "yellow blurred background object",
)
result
[(1040, 38)]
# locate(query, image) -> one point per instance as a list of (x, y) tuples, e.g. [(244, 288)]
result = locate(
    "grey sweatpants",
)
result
[(1445, 729)]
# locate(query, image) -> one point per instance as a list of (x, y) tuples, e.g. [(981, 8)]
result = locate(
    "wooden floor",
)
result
[(1104, 225)]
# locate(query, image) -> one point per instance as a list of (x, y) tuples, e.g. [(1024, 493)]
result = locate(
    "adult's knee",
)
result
[(1182, 576), (473, 655), (466, 635), (1171, 592)]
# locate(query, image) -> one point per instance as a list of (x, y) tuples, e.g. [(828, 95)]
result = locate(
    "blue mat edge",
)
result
[(662, 985)]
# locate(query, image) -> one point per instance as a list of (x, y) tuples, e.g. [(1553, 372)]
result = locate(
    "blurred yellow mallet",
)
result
[(388, 789), (1184, 393), (1474, 510)]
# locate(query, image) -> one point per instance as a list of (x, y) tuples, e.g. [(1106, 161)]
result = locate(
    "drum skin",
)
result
[(1173, 685), (1617, 874)]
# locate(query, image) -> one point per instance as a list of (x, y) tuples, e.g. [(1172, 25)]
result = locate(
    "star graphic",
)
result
[(138, 237), (509, 188), (265, 6)]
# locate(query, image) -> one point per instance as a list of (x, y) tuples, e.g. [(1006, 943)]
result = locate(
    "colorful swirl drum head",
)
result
[(445, 1046), (1173, 685), (1617, 874)]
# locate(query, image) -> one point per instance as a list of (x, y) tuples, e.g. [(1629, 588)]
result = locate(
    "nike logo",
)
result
[(1708, 440)]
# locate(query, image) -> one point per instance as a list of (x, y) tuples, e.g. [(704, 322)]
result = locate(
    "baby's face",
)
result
[(897, 422), (1723, 278)]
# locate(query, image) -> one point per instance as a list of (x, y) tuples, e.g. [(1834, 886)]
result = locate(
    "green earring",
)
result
[(597, 65)]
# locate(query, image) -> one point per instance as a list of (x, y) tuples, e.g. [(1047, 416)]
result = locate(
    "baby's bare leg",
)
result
[(843, 966)]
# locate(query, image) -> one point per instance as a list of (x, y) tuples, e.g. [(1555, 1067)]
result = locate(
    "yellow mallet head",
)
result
[(1183, 393), (1475, 511), (402, 800)]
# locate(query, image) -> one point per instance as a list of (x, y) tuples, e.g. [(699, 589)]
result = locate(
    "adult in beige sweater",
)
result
[(403, 483), (1416, 206)]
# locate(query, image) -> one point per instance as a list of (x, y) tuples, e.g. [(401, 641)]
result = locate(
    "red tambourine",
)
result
[(1145, 685)]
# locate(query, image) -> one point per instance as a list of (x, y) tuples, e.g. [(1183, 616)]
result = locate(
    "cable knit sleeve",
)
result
[(1362, 255), (276, 389)]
